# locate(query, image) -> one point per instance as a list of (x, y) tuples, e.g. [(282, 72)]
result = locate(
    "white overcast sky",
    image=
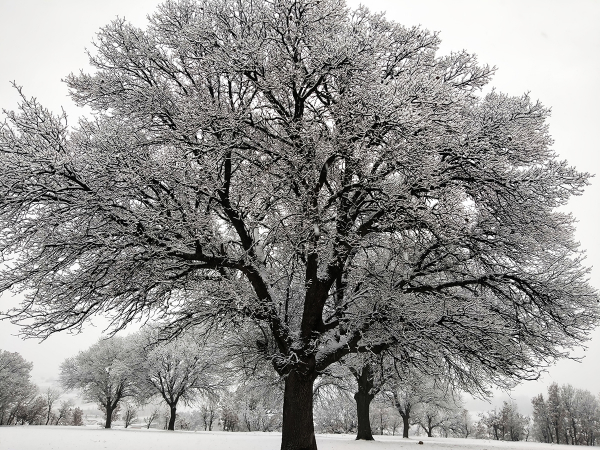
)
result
[(549, 48)]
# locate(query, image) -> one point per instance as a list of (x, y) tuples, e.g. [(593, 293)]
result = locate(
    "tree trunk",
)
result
[(406, 424), (172, 418), (109, 413), (298, 431), (363, 428), (363, 401)]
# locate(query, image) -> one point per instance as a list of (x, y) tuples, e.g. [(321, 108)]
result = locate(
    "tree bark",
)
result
[(298, 430), (363, 401), (109, 413), (406, 425), (172, 418)]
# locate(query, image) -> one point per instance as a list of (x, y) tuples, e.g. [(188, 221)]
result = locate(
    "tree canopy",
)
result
[(16, 388), (317, 170)]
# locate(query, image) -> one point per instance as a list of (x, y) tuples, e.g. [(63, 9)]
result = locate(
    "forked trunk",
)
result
[(172, 418), (298, 431)]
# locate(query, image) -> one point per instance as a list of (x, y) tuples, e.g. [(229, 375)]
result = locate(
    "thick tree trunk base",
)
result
[(171, 426), (109, 413), (363, 398), (406, 426), (298, 430), (363, 429)]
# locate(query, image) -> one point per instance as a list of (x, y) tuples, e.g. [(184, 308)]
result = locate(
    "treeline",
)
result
[(566, 415), (504, 424), (228, 387), (142, 371), (22, 402)]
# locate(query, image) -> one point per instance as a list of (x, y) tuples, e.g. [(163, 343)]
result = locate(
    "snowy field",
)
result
[(77, 438)]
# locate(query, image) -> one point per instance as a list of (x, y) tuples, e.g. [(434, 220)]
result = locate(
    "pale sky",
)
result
[(550, 48)]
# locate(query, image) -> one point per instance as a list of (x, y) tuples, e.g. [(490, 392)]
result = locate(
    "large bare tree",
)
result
[(316, 170)]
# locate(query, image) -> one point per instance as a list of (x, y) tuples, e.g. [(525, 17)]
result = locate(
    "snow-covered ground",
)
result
[(93, 438)]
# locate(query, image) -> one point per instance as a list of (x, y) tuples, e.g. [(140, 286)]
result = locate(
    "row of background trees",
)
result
[(141, 372), (21, 401)]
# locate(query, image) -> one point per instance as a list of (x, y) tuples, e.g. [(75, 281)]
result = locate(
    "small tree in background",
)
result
[(129, 414), (412, 391), (16, 389), (461, 424), (104, 374), (155, 414), (64, 413), (208, 413), (432, 416), (542, 426), (259, 406), (229, 416), (556, 413), (182, 422), (384, 417), (177, 371), (51, 395), (30, 411), (506, 424), (335, 412), (77, 417)]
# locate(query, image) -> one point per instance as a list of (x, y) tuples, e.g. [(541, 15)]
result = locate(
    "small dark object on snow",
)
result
[(421, 442)]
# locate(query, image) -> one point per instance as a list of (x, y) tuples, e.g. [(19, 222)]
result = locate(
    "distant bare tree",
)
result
[(461, 424), (104, 374), (63, 416), (129, 414), (155, 414), (209, 411), (30, 411), (412, 392), (50, 397), (505, 424), (178, 371)]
